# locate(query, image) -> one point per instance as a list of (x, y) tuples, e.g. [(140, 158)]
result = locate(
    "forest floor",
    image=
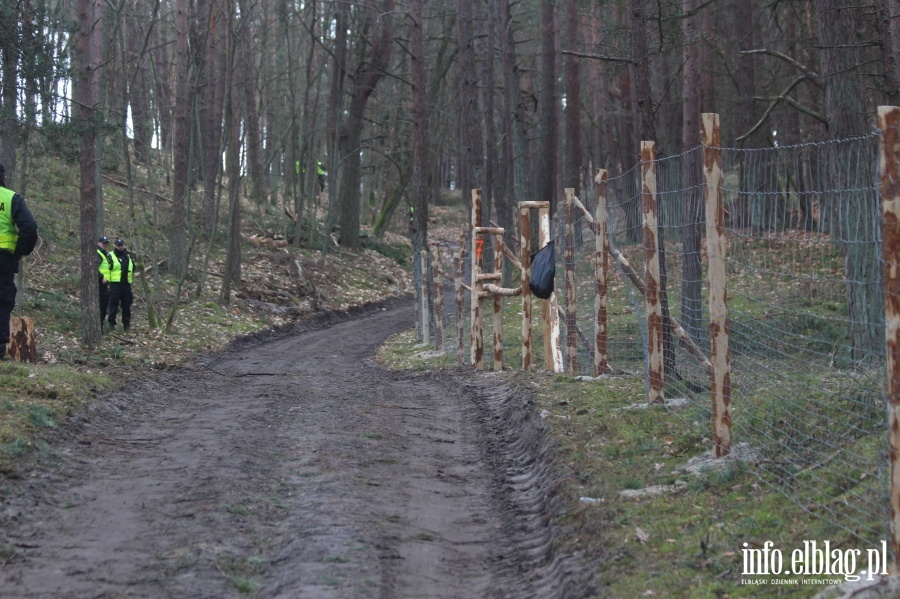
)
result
[(291, 465)]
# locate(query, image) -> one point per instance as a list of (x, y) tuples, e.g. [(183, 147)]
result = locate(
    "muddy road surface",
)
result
[(293, 466)]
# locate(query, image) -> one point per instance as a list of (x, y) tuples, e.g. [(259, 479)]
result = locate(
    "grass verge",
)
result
[(657, 528)]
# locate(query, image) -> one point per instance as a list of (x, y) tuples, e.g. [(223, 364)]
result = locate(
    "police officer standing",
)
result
[(320, 174), (104, 266), (120, 286), (18, 235)]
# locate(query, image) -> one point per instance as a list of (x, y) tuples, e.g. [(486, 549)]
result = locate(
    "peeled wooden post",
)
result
[(459, 266), (498, 306), (477, 331), (719, 356), (601, 253), (525, 259), (423, 306), (889, 123), (655, 370), (571, 297), (549, 307), (22, 346), (438, 299), (629, 274)]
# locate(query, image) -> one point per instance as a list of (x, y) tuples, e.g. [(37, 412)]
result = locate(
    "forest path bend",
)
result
[(294, 468)]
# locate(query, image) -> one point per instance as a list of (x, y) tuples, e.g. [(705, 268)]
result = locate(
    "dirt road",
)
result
[(293, 467)]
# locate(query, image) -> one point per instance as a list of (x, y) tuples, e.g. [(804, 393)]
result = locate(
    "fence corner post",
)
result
[(720, 358), (525, 259), (549, 307), (571, 293), (889, 162), (477, 330), (438, 271), (459, 274), (652, 284), (423, 298), (601, 253)]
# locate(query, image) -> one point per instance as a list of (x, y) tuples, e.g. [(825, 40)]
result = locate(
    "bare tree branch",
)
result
[(771, 107), (808, 111), (810, 74), (597, 56)]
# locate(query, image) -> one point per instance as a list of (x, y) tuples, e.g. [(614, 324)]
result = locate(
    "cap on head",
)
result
[(103, 239), (120, 242)]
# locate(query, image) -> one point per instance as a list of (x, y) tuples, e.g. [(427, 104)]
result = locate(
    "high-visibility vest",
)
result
[(9, 234), (115, 270), (105, 263), (126, 268)]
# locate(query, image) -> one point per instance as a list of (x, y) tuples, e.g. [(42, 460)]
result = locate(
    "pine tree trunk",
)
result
[(85, 95), (251, 113), (572, 176), (180, 141), (859, 237), (364, 82), (211, 115), (9, 130), (418, 224), (470, 162), (546, 183), (692, 206)]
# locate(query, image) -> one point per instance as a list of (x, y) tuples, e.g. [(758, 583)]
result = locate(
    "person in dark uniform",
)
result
[(104, 266), (18, 235), (120, 286)]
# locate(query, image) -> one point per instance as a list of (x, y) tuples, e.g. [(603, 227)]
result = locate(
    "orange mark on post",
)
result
[(479, 247)]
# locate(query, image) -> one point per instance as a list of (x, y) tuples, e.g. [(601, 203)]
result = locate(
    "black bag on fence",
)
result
[(543, 270)]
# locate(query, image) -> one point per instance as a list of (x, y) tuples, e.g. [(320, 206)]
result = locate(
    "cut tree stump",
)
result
[(22, 344)]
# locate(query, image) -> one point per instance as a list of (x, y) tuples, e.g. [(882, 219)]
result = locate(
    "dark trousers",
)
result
[(104, 301), (120, 293), (7, 295)]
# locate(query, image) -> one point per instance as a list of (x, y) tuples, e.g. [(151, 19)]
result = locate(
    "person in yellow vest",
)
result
[(18, 235), (120, 286), (320, 174), (104, 265)]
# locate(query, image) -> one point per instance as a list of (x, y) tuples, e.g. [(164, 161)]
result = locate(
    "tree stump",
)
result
[(22, 345)]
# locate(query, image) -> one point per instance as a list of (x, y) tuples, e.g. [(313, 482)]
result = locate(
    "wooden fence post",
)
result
[(719, 356), (656, 368), (477, 329), (498, 305), (438, 298), (549, 307), (22, 346), (889, 123), (571, 294), (525, 258), (601, 247), (423, 308), (459, 263)]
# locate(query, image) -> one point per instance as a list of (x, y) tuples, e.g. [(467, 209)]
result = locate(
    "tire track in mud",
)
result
[(293, 466)]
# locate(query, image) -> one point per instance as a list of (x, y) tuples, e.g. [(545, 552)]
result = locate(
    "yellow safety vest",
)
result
[(105, 264), (115, 271), (128, 271), (9, 234)]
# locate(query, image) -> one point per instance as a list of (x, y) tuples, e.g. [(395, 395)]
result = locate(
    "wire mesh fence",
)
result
[(806, 314)]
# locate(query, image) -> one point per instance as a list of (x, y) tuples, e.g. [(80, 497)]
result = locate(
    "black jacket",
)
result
[(27, 226)]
